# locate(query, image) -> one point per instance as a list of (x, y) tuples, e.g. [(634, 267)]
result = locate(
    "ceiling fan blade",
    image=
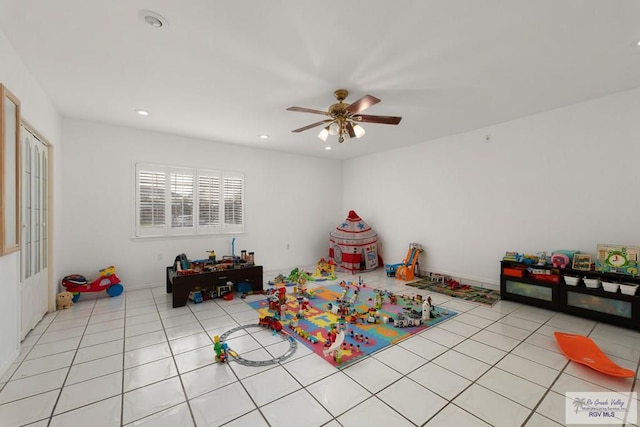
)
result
[(350, 131), (385, 120), (312, 125), (307, 110), (362, 104)]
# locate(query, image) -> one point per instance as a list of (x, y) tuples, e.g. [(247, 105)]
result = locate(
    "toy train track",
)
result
[(293, 346)]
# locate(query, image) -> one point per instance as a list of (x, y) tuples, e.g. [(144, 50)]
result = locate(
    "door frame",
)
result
[(52, 291)]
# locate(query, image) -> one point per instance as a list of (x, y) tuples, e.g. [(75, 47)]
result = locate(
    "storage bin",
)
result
[(550, 278), (571, 280), (514, 272), (591, 283), (628, 288), (610, 286)]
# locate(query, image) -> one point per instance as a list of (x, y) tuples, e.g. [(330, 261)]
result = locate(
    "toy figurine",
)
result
[(378, 301), (337, 356), (542, 258), (220, 348)]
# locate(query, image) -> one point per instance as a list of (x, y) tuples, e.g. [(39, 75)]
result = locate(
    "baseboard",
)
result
[(7, 364), (144, 286)]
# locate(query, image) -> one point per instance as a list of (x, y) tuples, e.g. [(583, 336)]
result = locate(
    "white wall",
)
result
[(289, 199), (564, 179), (37, 110)]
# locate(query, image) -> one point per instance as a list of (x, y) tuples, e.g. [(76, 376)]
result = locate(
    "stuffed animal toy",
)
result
[(64, 300)]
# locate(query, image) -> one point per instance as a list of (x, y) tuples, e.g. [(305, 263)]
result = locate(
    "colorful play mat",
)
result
[(465, 292), (366, 332)]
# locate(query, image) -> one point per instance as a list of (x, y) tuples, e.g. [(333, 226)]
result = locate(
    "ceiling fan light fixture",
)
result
[(324, 134), (341, 119)]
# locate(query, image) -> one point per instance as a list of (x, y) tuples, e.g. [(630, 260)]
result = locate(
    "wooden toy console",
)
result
[(182, 285)]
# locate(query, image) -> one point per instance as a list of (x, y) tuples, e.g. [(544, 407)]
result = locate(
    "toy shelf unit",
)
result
[(518, 284), (601, 296), (182, 285)]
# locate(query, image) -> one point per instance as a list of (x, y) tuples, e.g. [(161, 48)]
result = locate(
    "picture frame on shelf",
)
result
[(581, 262)]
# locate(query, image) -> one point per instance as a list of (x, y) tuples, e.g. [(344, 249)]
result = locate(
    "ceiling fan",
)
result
[(343, 119)]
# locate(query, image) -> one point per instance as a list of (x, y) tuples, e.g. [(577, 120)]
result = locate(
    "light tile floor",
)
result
[(134, 360)]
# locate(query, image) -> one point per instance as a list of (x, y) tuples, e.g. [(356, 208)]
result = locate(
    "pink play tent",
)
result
[(353, 245)]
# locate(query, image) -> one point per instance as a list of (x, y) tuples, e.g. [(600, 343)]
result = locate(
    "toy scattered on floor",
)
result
[(583, 350), (407, 268), (196, 297), (447, 281), (107, 281), (279, 279), (220, 348), (277, 298), (333, 344), (428, 310), (297, 274), (325, 270), (293, 345), (293, 278), (270, 322), (64, 300), (437, 277), (349, 312)]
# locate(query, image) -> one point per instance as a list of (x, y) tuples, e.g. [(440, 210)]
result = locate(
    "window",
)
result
[(182, 201)]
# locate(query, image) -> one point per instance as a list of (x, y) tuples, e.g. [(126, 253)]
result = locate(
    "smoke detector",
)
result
[(153, 19)]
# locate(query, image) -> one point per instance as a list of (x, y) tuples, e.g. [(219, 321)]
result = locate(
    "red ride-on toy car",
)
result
[(108, 281)]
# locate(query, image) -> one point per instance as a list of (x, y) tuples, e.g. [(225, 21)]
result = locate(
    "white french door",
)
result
[(34, 253)]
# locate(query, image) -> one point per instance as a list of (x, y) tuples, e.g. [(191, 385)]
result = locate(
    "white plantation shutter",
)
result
[(151, 197), (181, 201), (208, 200), (232, 201)]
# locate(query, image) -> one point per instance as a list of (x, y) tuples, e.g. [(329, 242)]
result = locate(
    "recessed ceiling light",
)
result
[(328, 147), (142, 112), (263, 136), (152, 18)]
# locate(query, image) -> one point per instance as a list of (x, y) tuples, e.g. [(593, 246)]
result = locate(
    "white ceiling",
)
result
[(226, 71)]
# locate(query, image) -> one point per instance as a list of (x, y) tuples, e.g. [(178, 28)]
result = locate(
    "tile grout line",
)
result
[(55, 405), (333, 418), (490, 366), (124, 354), (173, 359)]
